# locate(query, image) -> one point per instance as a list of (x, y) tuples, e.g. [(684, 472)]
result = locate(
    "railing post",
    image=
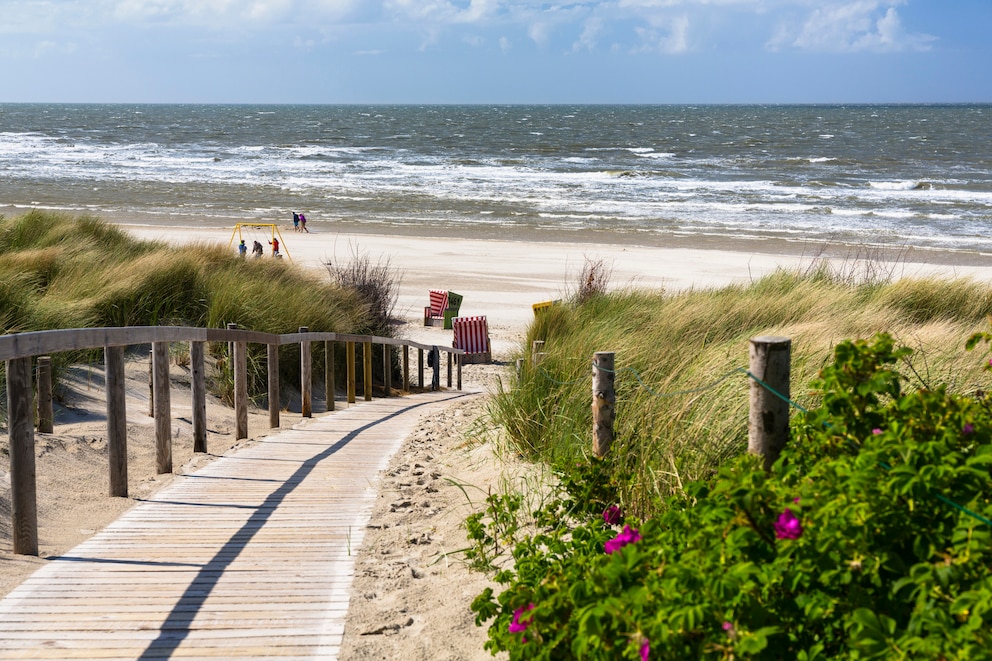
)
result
[(113, 360), (163, 407), (272, 370), (406, 368), (23, 481), (768, 414), (151, 383), (387, 369), (240, 387), (350, 358), (198, 392), (306, 376), (329, 373), (367, 372), (451, 359), (46, 417), (603, 402), (459, 359), (420, 368)]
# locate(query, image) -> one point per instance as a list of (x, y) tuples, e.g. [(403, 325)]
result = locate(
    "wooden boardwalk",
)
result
[(250, 557)]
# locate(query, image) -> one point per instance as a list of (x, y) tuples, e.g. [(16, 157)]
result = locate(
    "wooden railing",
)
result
[(19, 349)]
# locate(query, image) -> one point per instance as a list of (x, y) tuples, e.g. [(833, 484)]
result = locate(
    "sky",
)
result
[(496, 51)]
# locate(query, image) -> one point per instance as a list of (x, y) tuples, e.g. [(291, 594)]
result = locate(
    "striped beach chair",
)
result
[(444, 306), (434, 313), (472, 335)]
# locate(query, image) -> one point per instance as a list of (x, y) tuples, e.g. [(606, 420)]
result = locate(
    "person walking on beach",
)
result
[(303, 223), (275, 246), (296, 222)]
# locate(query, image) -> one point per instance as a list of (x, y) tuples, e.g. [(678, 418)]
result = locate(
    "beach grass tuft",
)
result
[(681, 385)]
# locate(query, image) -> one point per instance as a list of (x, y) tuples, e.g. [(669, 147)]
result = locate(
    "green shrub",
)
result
[(870, 538)]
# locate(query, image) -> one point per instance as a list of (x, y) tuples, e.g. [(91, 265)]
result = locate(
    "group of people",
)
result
[(257, 250), (300, 223)]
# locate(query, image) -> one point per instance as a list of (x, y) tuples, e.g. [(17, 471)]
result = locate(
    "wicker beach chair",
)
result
[(472, 335), (444, 306)]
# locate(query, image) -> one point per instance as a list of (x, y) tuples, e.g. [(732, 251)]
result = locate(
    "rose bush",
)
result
[(870, 538)]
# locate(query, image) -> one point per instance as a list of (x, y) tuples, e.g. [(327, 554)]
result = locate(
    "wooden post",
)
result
[(604, 401), (387, 369), (451, 359), (198, 392), (240, 387), (536, 352), (367, 371), (23, 481), (350, 358), (46, 417), (768, 415), (329, 373), (406, 368), (113, 360), (272, 368), (151, 383), (459, 359), (420, 368), (306, 377), (163, 407)]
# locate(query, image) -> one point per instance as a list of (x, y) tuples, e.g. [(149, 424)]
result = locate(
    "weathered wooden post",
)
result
[(387, 369), (329, 373), (768, 415), (537, 352), (367, 371), (23, 480), (604, 401), (240, 387), (420, 368), (272, 370), (46, 416), (306, 376), (198, 391), (151, 383), (451, 358), (350, 358), (406, 368), (163, 407), (459, 359), (113, 360)]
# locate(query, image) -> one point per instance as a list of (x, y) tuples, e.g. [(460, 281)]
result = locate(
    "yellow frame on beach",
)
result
[(274, 230)]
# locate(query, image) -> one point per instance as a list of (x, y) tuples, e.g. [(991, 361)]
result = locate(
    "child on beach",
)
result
[(257, 250), (303, 223), (242, 248), (275, 246), (296, 222)]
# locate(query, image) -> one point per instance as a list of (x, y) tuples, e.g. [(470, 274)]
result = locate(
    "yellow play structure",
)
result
[(269, 231)]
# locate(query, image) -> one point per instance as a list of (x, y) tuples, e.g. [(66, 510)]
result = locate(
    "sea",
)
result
[(884, 175)]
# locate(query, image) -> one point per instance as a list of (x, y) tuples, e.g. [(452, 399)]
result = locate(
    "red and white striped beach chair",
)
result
[(434, 313), (472, 335)]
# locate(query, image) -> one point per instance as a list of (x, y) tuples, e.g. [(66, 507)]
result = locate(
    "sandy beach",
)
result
[(411, 594)]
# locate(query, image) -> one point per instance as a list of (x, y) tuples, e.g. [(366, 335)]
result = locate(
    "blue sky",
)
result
[(496, 51)]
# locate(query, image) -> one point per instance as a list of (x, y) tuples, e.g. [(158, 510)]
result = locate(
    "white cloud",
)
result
[(667, 36), (864, 25), (587, 40)]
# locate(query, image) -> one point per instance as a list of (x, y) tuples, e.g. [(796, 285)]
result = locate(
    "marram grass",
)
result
[(58, 271), (681, 386)]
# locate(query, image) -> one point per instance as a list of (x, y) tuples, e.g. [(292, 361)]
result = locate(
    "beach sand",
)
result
[(411, 591)]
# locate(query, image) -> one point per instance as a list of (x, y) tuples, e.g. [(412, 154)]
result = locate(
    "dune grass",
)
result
[(58, 271), (682, 396)]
